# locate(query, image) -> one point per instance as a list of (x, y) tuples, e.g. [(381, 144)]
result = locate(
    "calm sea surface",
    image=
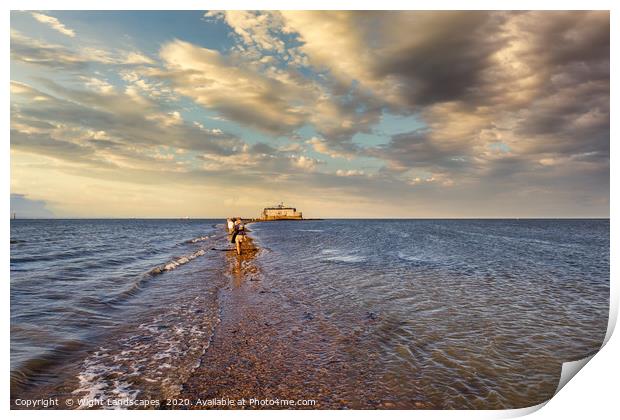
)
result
[(459, 313)]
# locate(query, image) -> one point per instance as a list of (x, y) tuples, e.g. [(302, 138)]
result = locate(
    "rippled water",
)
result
[(452, 313), (110, 308), (457, 313)]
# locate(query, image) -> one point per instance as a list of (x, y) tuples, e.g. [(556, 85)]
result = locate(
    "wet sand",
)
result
[(270, 346), (252, 354)]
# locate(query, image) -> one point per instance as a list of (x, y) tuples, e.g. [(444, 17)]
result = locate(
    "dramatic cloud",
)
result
[(447, 113), (58, 57), (238, 92), (30, 51), (53, 23), (113, 128), (493, 68), (274, 100), (406, 58), (256, 29), (489, 86)]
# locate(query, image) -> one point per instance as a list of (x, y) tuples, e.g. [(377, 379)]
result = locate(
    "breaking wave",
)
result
[(198, 239), (151, 361), (171, 265)]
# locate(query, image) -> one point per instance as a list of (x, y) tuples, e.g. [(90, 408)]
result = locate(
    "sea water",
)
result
[(111, 308), (455, 313)]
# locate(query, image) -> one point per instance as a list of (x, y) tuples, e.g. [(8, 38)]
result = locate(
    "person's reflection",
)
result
[(237, 270)]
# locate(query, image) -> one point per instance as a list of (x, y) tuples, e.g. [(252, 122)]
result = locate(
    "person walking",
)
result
[(230, 225), (238, 234)]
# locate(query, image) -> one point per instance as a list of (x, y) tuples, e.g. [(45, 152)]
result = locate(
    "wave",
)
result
[(347, 258), (154, 358), (39, 366), (310, 230), (135, 287), (67, 254), (406, 257), (339, 256), (198, 239), (140, 280), (171, 265)]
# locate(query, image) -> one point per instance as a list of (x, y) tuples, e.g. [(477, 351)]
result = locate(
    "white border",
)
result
[(592, 394)]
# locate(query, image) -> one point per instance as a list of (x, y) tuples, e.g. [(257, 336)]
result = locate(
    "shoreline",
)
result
[(270, 346), (249, 357)]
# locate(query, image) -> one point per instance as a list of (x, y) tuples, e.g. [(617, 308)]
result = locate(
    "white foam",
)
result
[(341, 256), (166, 355), (199, 239), (347, 258), (171, 265)]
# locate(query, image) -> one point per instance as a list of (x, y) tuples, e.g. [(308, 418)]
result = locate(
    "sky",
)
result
[(340, 114)]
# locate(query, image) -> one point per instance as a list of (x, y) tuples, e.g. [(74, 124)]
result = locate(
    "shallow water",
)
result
[(451, 313), (457, 313)]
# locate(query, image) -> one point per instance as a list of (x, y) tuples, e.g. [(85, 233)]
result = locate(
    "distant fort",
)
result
[(280, 212)]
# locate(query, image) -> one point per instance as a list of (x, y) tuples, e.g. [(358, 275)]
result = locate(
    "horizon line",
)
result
[(327, 218)]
